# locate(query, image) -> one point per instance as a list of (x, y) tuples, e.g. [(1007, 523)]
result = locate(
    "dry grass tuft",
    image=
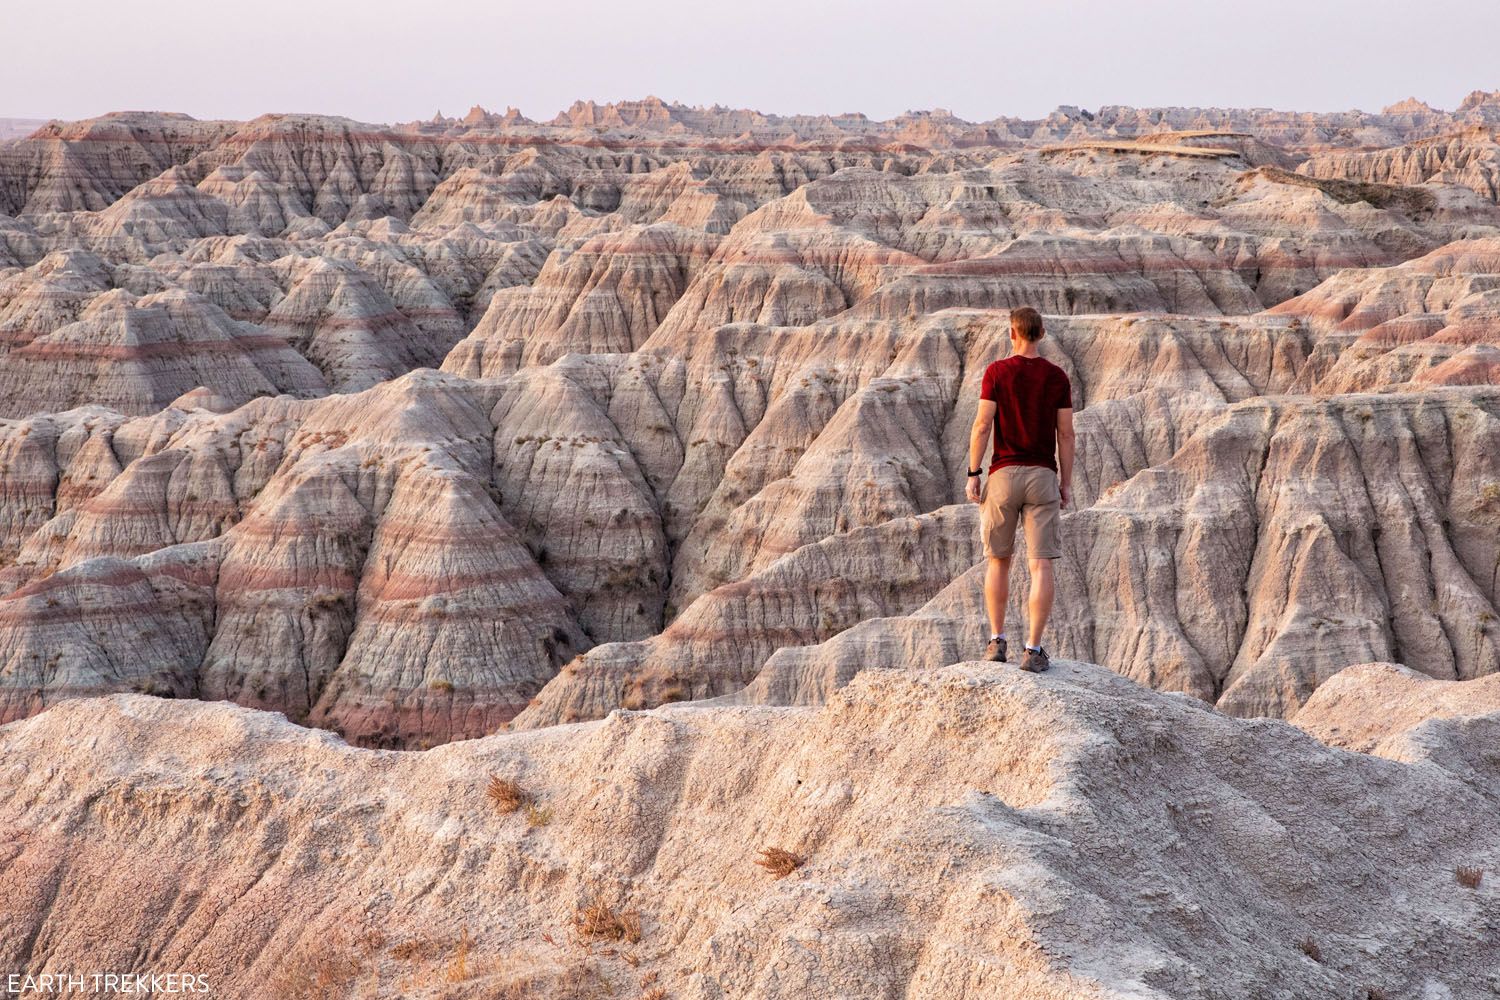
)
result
[(458, 966), (413, 949), (654, 993), (778, 862), (505, 794), (537, 815), (1468, 876), (1310, 949), (324, 969), (600, 921), (1376, 993)]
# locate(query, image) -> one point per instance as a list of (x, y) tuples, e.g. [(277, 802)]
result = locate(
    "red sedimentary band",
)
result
[(463, 716), (436, 312), (839, 256), (15, 705), (410, 586), (123, 576), (1468, 332), (72, 351), (236, 578), (1361, 320), (1086, 259), (30, 488), (384, 607), (151, 510), (31, 615), (1401, 330), (752, 635)]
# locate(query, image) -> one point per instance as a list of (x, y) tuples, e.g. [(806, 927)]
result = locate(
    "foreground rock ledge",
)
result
[(968, 832)]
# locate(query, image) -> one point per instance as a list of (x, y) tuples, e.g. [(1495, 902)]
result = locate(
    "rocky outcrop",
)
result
[(342, 561), (1430, 321), (605, 297), (959, 831), (1378, 707), (1469, 159), (709, 373), (137, 355), (1292, 578)]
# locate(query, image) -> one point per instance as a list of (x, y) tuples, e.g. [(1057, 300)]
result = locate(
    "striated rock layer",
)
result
[(407, 430)]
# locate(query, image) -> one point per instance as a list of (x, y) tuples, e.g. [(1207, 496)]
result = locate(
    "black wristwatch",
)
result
[(973, 473)]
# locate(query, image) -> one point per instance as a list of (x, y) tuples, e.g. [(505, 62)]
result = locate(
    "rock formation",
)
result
[(962, 832), (703, 380), (621, 454)]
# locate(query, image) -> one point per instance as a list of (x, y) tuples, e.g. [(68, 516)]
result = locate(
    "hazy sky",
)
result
[(380, 60)]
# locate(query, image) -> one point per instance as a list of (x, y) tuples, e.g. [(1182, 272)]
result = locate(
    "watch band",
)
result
[(974, 472)]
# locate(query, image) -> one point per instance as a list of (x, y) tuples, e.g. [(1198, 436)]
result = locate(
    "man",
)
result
[(1028, 403)]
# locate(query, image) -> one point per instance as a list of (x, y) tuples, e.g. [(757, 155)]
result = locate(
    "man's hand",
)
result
[(972, 490), (1067, 495)]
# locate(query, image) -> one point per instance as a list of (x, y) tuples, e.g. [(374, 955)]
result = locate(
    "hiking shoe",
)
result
[(995, 651), (1035, 661)]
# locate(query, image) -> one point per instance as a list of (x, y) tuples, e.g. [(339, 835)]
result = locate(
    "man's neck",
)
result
[(1024, 349)]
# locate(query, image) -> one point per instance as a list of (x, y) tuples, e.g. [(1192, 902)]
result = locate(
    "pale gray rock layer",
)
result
[(707, 377)]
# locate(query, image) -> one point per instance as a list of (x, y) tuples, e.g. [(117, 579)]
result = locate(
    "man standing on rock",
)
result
[(1028, 402)]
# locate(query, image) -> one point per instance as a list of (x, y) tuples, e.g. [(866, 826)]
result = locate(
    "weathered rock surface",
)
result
[(1380, 708), (1287, 568), (341, 560), (1430, 321), (965, 832), (1470, 159), (708, 376)]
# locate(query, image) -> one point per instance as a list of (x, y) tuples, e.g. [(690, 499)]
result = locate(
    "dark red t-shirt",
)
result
[(1027, 392)]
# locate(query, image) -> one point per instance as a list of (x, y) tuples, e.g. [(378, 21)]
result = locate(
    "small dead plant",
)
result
[(537, 815), (326, 968), (1469, 876), (778, 862), (505, 794), (1310, 949), (415, 949), (654, 993), (458, 965), (1376, 993), (601, 922)]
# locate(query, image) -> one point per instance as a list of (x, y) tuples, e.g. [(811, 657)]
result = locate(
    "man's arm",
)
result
[(979, 440), (1065, 454)]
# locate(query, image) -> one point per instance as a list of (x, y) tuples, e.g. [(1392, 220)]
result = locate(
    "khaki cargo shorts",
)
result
[(1010, 493)]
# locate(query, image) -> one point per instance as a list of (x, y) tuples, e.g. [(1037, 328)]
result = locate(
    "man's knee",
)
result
[(1039, 567)]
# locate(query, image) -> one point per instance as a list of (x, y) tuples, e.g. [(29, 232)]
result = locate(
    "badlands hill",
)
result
[(970, 831), (503, 438), (410, 431)]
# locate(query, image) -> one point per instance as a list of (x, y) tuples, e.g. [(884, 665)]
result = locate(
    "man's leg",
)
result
[(997, 520), (997, 592), (1039, 606)]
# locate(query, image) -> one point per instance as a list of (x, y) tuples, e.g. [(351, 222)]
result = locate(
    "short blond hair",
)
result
[(1026, 323)]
